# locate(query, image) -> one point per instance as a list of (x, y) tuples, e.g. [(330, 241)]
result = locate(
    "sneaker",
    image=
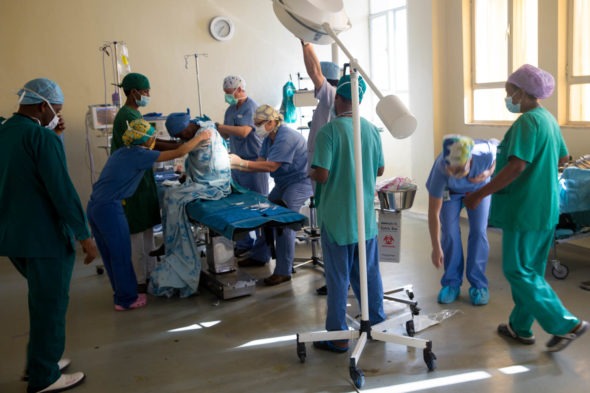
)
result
[(557, 343), (141, 301), (448, 294), (62, 364), (505, 330), (479, 296), (64, 382)]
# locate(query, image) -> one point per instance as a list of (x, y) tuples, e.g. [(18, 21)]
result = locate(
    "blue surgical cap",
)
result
[(176, 122), (330, 70), (39, 90)]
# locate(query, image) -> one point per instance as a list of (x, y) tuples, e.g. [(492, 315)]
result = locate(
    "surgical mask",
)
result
[(55, 121), (231, 99), (261, 131), (143, 101), (514, 108)]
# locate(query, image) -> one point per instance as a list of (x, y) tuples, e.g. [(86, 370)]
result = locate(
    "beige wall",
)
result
[(60, 40)]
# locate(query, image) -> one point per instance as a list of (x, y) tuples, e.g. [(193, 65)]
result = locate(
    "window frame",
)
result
[(572, 80)]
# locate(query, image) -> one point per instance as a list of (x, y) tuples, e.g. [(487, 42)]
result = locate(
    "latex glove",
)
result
[(235, 161)]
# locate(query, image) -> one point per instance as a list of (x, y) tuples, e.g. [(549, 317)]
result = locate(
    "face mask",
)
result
[(55, 121), (261, 131), (143, 101), (152, 145), (231, 99), (514, 108)]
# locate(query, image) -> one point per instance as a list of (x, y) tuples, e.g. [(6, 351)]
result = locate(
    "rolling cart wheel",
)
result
[(410, 328), (357, 376), (560, 271), (99, 270), (301, 352), (429, 357)]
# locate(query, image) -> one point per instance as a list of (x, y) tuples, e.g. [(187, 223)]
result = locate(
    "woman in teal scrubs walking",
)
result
[(525, 205)]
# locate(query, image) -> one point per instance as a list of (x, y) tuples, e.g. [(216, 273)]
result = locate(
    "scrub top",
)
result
[(289, 149), (336, 199), (142, 208), (483, 156), (247, 148), (321, 115), (531, 202), (122, 173), (41, 215)]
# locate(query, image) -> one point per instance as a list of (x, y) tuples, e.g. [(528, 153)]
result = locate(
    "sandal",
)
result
[(557, 343), (505, 330), (141, 301)]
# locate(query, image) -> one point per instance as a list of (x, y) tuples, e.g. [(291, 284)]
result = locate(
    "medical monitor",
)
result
[(103, 116)]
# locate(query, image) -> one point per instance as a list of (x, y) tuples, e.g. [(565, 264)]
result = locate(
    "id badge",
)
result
[(446, 195)]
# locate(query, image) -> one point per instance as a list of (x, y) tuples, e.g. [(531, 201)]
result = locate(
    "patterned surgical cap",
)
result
[(233, 82), (457, 150), (138, 132)]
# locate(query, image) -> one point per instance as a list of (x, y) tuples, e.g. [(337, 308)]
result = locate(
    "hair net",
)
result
[(138, 132), (233, 82), (39, 90), (457, 149), (267, 112), (176, 122), (344, 87), (330, 70), (135, 81), (535, 81)]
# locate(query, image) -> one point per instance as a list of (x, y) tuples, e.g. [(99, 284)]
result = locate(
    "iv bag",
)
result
[(123, 66)]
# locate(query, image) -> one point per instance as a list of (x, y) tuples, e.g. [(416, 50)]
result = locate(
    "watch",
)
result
[(221, 28)]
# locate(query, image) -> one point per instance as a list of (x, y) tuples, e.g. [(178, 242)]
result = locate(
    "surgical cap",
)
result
[(138, 132), (457, 150), (534, 81), (176, 122), (39, 90), (267, 112), (344, 87), (233, 82), (330, 70), (135, 81)]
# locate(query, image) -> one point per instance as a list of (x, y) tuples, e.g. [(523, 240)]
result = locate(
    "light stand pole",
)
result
[(196, 56)]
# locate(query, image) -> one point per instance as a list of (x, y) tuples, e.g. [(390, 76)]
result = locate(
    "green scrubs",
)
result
[(528, 210), (142, 209), (41, 218)]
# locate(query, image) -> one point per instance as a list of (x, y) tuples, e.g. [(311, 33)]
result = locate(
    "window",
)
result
[(578, 74), (389, 47), (504, 36)]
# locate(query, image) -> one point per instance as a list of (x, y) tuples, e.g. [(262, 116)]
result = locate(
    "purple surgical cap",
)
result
[(534, 81)]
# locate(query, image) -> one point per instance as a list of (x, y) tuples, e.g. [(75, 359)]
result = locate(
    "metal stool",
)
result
[(311, 234)]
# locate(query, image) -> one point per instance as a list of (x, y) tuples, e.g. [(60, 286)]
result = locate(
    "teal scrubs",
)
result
[(527, 210), (142, 208), (41, 218)]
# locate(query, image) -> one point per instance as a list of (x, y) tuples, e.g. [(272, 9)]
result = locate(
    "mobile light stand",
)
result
[(401, 124)]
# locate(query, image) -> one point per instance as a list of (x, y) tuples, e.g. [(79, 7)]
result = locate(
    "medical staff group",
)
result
[(512, 181)]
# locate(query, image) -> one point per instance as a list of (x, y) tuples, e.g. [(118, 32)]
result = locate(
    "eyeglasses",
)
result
[(260, 123)]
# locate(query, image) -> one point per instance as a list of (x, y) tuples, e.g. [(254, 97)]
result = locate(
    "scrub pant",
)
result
[(341, 268), (524, 259), (48, 280), (257, 182), (111, 233), (141, 245), (293, 197), (477, 243)]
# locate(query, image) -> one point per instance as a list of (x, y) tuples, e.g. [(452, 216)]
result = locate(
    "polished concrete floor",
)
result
[(247, 344)]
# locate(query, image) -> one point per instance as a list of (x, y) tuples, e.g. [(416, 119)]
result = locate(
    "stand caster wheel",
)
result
[(301, 352), (410, 294), (429, 359), (410, 328), (560, 271), (357, 376), (99, 270)]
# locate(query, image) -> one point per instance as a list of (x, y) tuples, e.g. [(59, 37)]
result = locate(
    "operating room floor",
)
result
[(201, 344)]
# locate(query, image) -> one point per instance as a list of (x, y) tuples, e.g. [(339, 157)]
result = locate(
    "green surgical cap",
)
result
[(344, 87), (135, 81), (39, 90)]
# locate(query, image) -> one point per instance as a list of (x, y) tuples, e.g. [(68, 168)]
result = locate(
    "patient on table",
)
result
[(208, 177)]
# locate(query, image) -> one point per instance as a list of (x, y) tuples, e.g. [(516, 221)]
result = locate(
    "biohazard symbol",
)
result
[(388, 239)]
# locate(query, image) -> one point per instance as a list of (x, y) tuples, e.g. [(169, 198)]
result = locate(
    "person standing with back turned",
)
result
[(41, 217), (525, 205)]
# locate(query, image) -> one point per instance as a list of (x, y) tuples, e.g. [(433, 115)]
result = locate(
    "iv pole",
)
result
[(196, 56), (402, 126)]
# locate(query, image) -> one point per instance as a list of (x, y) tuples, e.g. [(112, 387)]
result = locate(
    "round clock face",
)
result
[(221, 28)]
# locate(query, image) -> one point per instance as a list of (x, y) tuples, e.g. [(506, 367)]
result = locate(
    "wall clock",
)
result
[(221, 28)]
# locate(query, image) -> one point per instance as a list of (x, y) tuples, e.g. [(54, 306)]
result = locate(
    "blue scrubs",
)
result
[(292, 187), (119, 180), (439, 183), (248, 148)]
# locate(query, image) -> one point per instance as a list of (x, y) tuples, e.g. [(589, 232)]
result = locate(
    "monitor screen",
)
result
[(103, 116)]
